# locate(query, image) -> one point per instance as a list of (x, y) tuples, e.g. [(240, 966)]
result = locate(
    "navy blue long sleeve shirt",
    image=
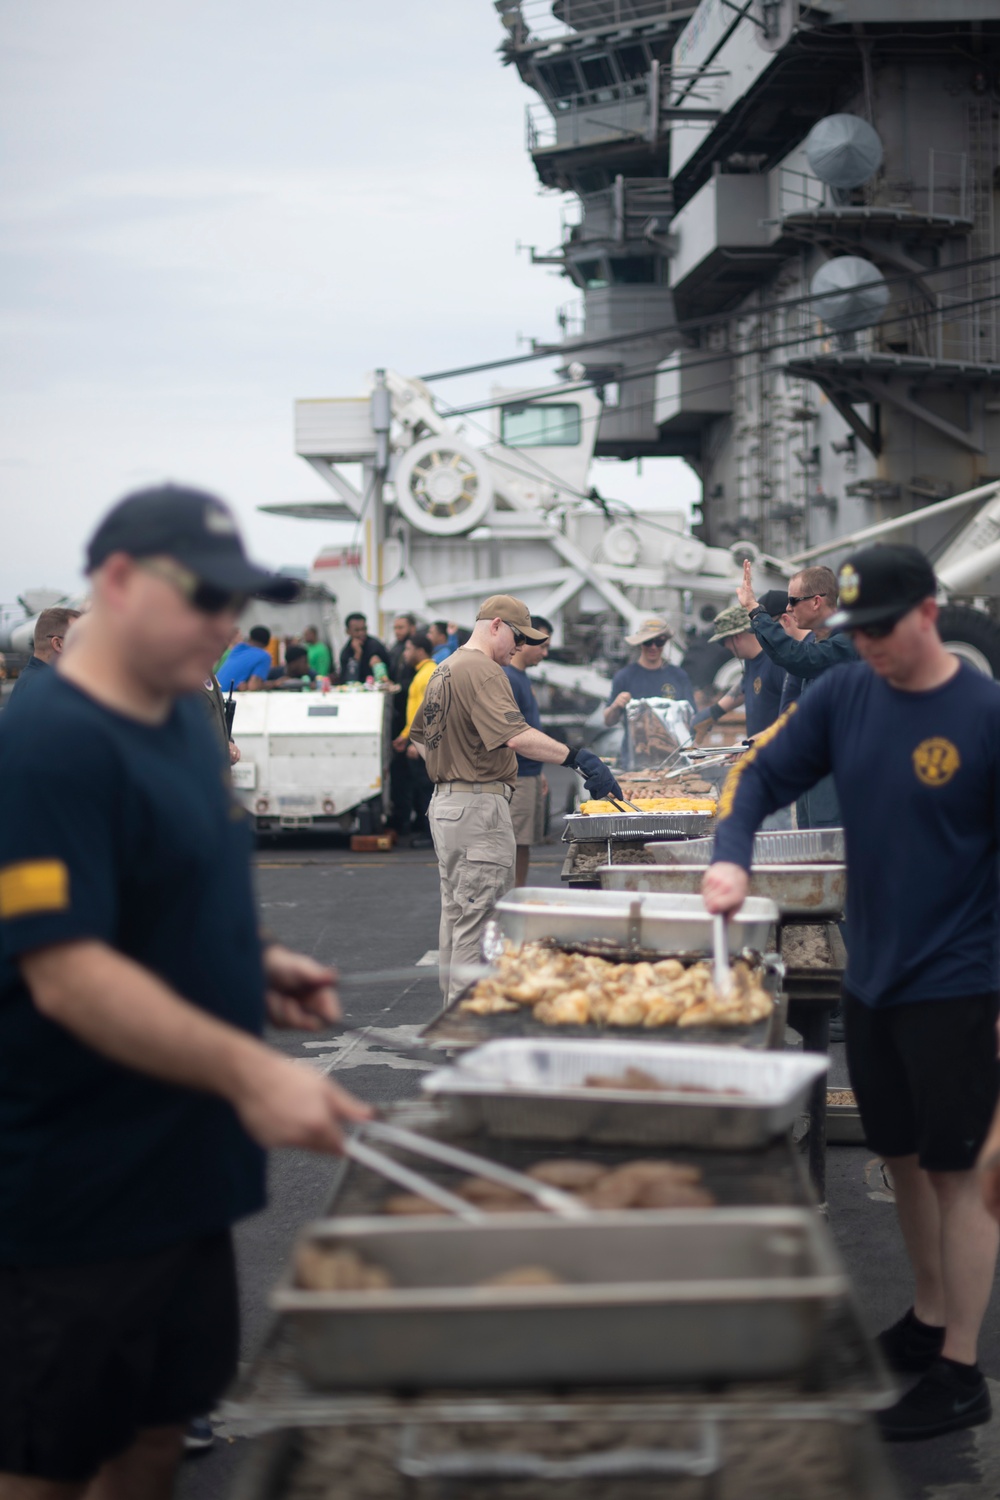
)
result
[(918, 778), (806, 659)]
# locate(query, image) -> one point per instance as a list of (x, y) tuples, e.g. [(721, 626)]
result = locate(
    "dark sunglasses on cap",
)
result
[(879, 629), (206, 598)]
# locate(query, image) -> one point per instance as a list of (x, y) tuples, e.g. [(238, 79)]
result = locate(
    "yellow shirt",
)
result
[(418, 688)]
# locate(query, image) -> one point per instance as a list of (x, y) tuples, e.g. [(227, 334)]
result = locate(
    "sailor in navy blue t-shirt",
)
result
[(136, 1098), (762, 681), (911, 736), (649, 677)]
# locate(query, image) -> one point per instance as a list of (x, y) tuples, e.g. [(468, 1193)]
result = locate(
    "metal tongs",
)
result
[(621, 802), (359, 1150), (722, 974)]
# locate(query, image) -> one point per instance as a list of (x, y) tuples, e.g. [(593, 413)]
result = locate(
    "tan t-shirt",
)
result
[(467, 716)]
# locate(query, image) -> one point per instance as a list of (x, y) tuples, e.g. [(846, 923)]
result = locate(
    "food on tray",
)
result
[(639, 1080), (563, 1172), (322, 1268), (404, 1204), (493, 1197), (636, 784), (841, 1099), (649, 1184), (523, 1276), (635, 1184), (585, 856), (806, 946), (653, 805), (574, 989)]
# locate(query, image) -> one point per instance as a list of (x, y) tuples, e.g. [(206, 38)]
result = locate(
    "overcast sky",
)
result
[(212, 207)]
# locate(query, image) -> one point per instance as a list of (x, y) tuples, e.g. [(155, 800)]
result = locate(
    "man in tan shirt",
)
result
[(468, 729)]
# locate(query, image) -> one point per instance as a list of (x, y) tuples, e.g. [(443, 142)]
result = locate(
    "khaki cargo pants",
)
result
[(474, 843)]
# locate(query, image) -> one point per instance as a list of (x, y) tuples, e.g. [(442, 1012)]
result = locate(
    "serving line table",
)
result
[(808, 1437)]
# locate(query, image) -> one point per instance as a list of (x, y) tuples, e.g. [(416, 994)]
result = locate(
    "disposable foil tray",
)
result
[(666, 924), (678, 1295), (813, 891), (599, 827), (810, 846), (721, 1098)]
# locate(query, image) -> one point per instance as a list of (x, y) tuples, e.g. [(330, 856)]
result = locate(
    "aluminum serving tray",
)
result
[(529, 1089), (706, 1294), (599, 827), (813, 891), (811, 846), (666, 924)]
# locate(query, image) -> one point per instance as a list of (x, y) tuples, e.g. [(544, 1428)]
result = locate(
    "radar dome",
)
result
[(844, 150), (849, 293)]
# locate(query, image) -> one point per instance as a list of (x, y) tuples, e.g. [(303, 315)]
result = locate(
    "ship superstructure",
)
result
[(765, 145)]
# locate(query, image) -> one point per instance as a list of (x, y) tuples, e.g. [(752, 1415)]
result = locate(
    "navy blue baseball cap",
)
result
[(880, 584), (196, 529)]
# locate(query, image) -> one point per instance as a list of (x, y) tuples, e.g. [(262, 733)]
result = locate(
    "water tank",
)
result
[(849, 293), (843, 150)]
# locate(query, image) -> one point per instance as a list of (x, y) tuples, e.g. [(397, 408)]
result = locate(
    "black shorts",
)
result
[(91, 1354), (926, 1077)]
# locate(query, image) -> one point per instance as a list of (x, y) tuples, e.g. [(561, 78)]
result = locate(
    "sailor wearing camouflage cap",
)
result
[(762, 681)]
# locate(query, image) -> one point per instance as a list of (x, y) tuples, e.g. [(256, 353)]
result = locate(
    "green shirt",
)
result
[(320, 658)]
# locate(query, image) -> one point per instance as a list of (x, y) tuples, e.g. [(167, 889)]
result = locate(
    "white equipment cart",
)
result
[(312, 759)]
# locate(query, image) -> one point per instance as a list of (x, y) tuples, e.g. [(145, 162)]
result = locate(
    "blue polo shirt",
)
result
[(918, 780), (132, 838)]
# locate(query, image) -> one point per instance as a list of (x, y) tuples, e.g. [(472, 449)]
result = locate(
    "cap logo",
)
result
[(219, 521), (936, 761), (850, 585)]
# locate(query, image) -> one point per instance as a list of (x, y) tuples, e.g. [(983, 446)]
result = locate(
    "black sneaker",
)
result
[(909, 1346), (943, 1400), (198, 1436)]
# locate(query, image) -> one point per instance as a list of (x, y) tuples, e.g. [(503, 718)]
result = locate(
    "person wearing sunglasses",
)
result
[(912, 737), (762, 680), (812, 600), (650, 676), (137, 1098), (470, 731)]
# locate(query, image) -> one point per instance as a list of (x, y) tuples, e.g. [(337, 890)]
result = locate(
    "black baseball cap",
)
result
[(774, 602), (196, 529), (881, 583)]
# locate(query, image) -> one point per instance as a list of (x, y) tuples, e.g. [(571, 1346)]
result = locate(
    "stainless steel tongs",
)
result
[(359, 1150)]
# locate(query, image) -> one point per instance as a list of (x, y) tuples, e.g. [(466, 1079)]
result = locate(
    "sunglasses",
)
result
[(206, 598), (878, 630), (519, 639), (802, 599), (659, 640)]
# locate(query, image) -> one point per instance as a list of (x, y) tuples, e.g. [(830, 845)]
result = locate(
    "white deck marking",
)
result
[(368, 1050), (429, 960)]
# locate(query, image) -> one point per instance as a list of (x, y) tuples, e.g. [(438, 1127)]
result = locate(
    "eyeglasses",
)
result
[(802, 599), (878, 630), (519, 638), (659, 640), (206, 598)]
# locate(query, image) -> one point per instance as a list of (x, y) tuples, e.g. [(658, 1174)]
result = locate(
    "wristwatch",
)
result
[(758, 609)]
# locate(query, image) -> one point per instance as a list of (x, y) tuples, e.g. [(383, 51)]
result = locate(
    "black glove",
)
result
[(713, 712), (596, 777)]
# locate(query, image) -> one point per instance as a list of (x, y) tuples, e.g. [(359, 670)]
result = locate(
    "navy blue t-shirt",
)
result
[(667, 681), (918, 778), (763, 681), (524, 695), (33, 670), (126, 834)]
